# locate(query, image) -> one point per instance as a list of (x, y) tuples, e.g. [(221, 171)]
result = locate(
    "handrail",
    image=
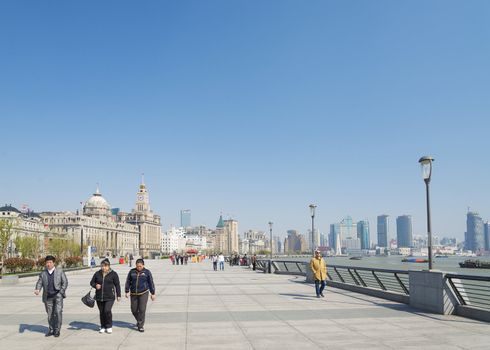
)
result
[(468, 277), (476, 294), (393, 281)]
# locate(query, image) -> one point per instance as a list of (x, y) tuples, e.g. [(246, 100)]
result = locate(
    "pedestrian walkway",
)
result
[(198, 308)]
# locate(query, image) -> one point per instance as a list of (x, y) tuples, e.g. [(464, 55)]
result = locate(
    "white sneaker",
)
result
[(109, 330), (102, 330)]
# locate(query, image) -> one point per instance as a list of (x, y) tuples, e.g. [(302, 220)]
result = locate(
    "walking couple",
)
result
[(139, 285)]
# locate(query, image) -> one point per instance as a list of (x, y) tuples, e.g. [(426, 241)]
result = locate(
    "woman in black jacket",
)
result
[(107, 288)]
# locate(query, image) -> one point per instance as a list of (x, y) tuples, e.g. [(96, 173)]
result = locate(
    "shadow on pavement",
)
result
[(76, 326), (299, 296), (32, 328), (122, 324)]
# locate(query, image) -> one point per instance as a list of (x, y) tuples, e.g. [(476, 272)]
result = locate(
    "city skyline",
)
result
[(331, 104)]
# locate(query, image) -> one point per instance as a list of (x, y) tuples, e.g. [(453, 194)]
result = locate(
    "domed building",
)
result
[(97, 227), (97, 206)]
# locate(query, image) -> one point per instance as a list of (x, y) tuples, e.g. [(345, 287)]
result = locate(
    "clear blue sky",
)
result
[(253, 108)]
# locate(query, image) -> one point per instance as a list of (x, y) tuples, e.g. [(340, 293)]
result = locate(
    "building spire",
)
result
[(142, 185), (97, 190)]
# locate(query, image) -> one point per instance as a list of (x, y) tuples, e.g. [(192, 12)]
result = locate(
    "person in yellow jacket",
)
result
[(319, 268)]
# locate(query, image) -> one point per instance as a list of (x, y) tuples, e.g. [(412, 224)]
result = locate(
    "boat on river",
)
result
[(415, 260), (475, 264)]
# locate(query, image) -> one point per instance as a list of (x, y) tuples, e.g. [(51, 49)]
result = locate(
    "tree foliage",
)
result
[(28, 246), (6, 232)]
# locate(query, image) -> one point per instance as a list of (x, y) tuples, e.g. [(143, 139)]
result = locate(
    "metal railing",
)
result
[(471, 290), (395, 281), (387, 280)]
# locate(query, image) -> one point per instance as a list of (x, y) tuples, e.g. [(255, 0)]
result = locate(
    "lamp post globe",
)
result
[(426, 167)]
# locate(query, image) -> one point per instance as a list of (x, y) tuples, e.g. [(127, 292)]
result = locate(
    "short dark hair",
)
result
[(106, 262), (49, 258), (140, 261)]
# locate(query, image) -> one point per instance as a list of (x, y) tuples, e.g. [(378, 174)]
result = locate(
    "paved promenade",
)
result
[(198, 308)]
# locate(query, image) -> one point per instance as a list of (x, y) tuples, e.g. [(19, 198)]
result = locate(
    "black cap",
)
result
[(105, 262)]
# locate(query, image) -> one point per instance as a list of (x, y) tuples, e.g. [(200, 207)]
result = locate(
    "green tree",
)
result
[(28, 246), (263, 252), (73, 249), (6, 232), (58, 248)]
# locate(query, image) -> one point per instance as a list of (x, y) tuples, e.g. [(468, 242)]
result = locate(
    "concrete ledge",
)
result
[(289, 273), (399, 298), (13, 279), (472, 312)]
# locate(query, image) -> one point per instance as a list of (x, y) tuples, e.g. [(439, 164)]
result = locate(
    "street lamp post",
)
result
[(270, 260), (426, 165), (312, 212)]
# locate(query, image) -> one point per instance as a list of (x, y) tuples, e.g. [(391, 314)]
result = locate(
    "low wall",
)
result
[(472, 312)]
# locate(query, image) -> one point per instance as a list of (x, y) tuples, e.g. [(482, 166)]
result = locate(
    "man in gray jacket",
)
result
[(53, 282)]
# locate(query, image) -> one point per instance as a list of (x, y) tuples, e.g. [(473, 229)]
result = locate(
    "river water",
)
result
[(449, 264)]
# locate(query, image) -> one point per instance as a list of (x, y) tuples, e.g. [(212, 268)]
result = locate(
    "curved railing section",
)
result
[(471, 291)]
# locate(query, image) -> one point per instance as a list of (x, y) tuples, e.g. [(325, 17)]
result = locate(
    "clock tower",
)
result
[(142, 198), (149, 224)]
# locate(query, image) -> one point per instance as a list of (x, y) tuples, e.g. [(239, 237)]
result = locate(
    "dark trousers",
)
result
[(319, 286), (105, 313), (138, 308), (254, 266), (54, 309), (215, 266)]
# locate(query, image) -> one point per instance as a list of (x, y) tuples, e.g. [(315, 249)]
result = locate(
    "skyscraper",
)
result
[(334, 236), (383, 230), (474, 236), (293, 242), (363, 234), (185, 218), (404, 231)]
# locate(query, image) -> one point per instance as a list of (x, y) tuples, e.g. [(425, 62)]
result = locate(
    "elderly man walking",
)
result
[(54, 283), (319, 268)]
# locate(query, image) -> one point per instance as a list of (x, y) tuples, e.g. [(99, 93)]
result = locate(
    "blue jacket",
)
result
[(139, 282)]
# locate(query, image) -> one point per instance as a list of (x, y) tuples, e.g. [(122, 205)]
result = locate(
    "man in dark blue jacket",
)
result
[(139, 284)]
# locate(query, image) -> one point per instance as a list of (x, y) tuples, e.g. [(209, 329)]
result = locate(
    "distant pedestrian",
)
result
[(319, 269), (221, 262), (54, 283), (140, 284), (186, 258), (131, 257), (214, 259), (92, 263), (254, 262), (107, 289), (181, 260)]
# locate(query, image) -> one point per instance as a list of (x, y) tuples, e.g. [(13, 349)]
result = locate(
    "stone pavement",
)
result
[(198, 308)]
